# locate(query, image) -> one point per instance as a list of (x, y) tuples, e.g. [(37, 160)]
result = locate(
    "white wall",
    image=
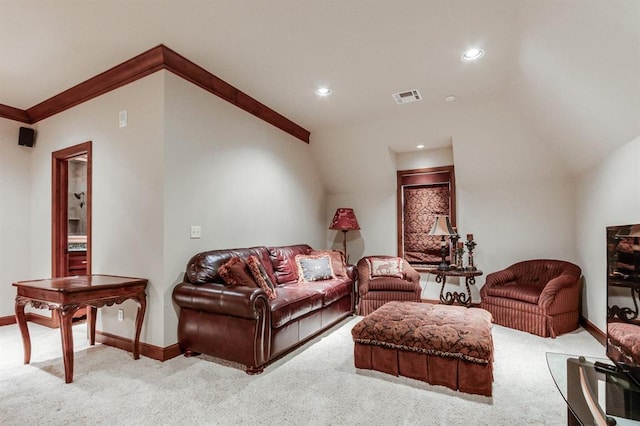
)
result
[(15, 186), (513, 194), (185, 158), (127, 220), (607, 194), (244, 181)]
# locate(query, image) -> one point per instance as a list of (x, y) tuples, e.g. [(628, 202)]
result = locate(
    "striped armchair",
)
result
[(375, 290), (537, 296)]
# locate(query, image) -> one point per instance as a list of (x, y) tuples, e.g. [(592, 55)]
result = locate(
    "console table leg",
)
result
[(142, 307), (91, 324), (24, 329), (65, 314)]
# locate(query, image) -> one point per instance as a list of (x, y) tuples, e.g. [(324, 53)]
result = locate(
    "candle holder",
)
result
[(460, 256), (455, 260), (470, 246)]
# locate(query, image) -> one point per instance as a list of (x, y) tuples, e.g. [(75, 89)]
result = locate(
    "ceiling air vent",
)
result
[(407, 97)]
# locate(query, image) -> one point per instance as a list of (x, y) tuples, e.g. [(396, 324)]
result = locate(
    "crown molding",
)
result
[(155, 59), (15, 114)]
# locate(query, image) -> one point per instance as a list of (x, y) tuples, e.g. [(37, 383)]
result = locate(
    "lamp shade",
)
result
[(442, 226), (344, 220)]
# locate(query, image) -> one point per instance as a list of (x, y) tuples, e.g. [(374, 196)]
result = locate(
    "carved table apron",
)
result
[(65, 295)]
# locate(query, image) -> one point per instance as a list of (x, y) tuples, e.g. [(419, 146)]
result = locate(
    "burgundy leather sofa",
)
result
[(240, 324)]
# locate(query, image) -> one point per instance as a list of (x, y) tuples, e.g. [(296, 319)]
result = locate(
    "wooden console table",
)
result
[(451, 297), (66, 295)]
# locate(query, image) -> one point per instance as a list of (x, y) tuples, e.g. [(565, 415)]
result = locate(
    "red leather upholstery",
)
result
[(203, 267), (537, 296), (375, 292), (241, 324), (284, 262)]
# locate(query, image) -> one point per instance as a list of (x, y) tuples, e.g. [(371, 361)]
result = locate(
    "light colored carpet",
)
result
[(315, 385)]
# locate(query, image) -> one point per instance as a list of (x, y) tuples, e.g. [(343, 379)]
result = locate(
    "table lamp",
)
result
[(443, 228)]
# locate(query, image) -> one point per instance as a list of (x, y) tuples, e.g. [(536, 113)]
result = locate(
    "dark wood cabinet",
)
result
[(77, 264)]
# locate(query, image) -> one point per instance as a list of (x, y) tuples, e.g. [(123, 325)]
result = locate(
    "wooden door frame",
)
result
[(59, 216)]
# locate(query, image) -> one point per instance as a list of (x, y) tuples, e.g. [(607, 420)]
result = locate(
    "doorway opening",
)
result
[(71, 211)]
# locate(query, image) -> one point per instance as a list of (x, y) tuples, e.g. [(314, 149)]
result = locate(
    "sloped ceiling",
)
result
[(571, 69)]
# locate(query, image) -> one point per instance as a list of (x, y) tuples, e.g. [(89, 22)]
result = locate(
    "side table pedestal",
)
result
[(451, 297)]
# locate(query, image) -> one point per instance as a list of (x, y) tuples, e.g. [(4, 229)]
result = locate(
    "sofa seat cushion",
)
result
[(293, 301), (332, 290), (511, 304), (529, 293), (391, 284)]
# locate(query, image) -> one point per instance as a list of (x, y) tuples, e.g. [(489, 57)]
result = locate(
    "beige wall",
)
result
[(127, 193), (15, 187), (245, 182), (608, 195), (514, 195), (188, 158), (185, 158)]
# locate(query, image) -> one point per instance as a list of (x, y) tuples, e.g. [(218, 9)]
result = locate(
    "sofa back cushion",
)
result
[(283, 261), (203, 267), (338, 263)]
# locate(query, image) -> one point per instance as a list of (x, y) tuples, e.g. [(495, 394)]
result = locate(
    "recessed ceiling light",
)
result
[(450, 98), (323, 91), (419, 146), (472, 54)]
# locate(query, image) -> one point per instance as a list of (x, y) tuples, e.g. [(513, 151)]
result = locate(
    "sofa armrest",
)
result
[(363, 277), (236, 301), (409, 273), (554, 287), (352, 272)]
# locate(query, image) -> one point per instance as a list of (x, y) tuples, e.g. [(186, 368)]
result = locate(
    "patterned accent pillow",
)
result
[(338, 263), (260, 275), (385, 267), (314, 268), (235, 272)]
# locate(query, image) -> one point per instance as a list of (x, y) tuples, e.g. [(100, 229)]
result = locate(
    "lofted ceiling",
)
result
[(571, 68)]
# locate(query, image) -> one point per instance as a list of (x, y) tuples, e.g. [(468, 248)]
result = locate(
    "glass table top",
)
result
[(594, 394)]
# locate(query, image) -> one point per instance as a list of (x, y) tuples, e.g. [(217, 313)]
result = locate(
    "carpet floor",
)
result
[(315, 385)]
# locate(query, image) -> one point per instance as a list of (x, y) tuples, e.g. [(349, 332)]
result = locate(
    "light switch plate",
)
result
[(196, 231), (122, 118)]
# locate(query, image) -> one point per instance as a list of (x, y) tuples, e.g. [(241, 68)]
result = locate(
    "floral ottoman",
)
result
[(438, 344)]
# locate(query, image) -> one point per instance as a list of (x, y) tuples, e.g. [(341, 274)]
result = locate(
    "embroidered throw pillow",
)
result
[(235, 272), (338, 263), (260, 275), (314, 268), (385, 267)]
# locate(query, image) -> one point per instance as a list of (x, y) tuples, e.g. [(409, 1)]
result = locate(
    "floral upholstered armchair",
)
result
[(383, 279)]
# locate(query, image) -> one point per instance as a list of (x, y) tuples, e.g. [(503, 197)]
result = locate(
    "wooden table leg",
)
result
[(91, 324), (65, 315), (142, 307), (24, 329)]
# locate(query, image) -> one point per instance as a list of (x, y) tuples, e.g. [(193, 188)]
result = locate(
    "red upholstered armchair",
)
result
[(383, 279), (537, 296)]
